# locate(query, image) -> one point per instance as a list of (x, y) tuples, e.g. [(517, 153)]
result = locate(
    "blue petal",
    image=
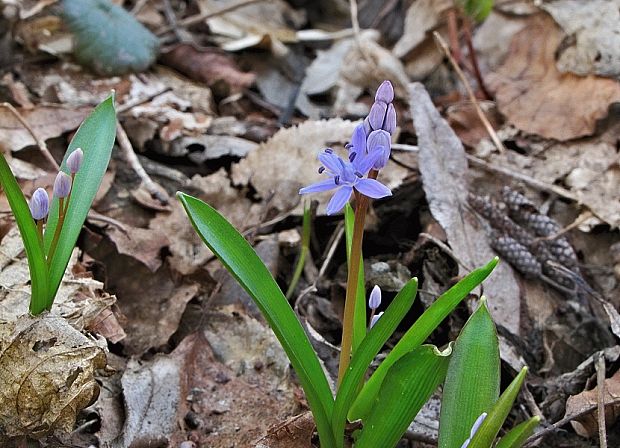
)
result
[(372, 188), (338, 200), (317, 187), (365, 163), (331, 162), (358, 140)]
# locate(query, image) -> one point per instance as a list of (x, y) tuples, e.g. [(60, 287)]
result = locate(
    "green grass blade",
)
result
[(472, 384), (96, 137), (247, 268), (417, 334), (306, 230), (409, 384), (359, 316), (489, 429), (28, 231), (366, 352), (517, 436)]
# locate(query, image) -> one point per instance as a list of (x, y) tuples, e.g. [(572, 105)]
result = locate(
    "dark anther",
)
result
[(352, 156), (329, 150), (358, 174), (337, 180), (321, 169)]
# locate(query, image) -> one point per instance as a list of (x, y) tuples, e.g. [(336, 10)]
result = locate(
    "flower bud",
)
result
[(62, 185), (39, 204), (379, 141), (377, 115), (389, 124), (375, 318), (385, 92), (74, 161), (375, 298)]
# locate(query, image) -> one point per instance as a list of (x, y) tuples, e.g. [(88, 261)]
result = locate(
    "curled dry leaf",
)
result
[(534, 95), (47, 371), (208, 65), (295, 431), (587, 426), (443, 166)]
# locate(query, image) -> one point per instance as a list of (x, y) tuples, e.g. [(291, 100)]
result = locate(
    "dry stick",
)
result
[(192, 20), (138, 6), (171, 18), (355, 24), (483, 118), (600, 400), (529, 442), (40, 142), (453, 35), (138, 101), (130, 156), (473, 58)]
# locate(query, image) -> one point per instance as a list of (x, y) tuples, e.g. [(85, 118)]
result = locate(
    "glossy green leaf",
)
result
[(477, 9), (489, 429), (409, 384), (28, 231), (472, 384), (359, 316), (108, 39), (96, 137), (417, 334), (516, 437), (366, 352), (247, 268)]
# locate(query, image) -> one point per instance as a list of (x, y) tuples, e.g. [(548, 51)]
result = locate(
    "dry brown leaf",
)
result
[(537, 98), (144, 245), (46, 121), (208, 65), (278, 168), (443, 167), (47, 375), (295, 431), (592, 43), (587, 426), (422, 17)]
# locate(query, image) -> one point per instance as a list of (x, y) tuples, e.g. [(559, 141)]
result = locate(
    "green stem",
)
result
[(40, 232), (361, 206), (61, 220), (305, 248)]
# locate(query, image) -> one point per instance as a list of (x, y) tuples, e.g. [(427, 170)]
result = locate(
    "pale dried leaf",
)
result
[(593, 36), (535, 96), (47, 371), (278, 168), (422, 17), (144, 245), (46, 121), (443, 167), (587, 426)]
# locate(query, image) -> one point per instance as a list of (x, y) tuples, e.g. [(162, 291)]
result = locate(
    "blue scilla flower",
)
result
[(346, 175)]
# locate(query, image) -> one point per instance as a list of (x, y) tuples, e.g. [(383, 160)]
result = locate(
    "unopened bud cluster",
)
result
[(40, 203)]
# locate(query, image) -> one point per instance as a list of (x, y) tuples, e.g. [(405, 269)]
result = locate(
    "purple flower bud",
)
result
[(389, 124), (379, 140), (375, 298), (385, 92), (39, 204), (377, 115), (375, 318), (62, 185), (74, 161), (367, 128)]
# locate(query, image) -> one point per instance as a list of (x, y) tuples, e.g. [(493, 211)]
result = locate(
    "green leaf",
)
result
[(108, 39), (408, 385), (366, 352), (96, 137), (517, 436), (417, 334), (477, 9), (359, 316), (242, 262), (489, 429), (28, 231), (472, 384)]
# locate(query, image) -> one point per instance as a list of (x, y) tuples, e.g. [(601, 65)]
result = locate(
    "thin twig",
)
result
[(483, 118), (192, 20), (95, 216), (138, 101), (172, 20), (138, 7), (453, 35), (355, 24), (529, 442), (473, 58), (130, 156), (600, 400), (39, 141)]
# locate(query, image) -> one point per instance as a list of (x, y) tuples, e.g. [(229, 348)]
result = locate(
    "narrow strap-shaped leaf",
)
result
[(517, 436), (417, 334), (359, 316), (489, 429), (409, 384), (247, 268), (28, 231), (472, 384), (96, 137), (366, 352)]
